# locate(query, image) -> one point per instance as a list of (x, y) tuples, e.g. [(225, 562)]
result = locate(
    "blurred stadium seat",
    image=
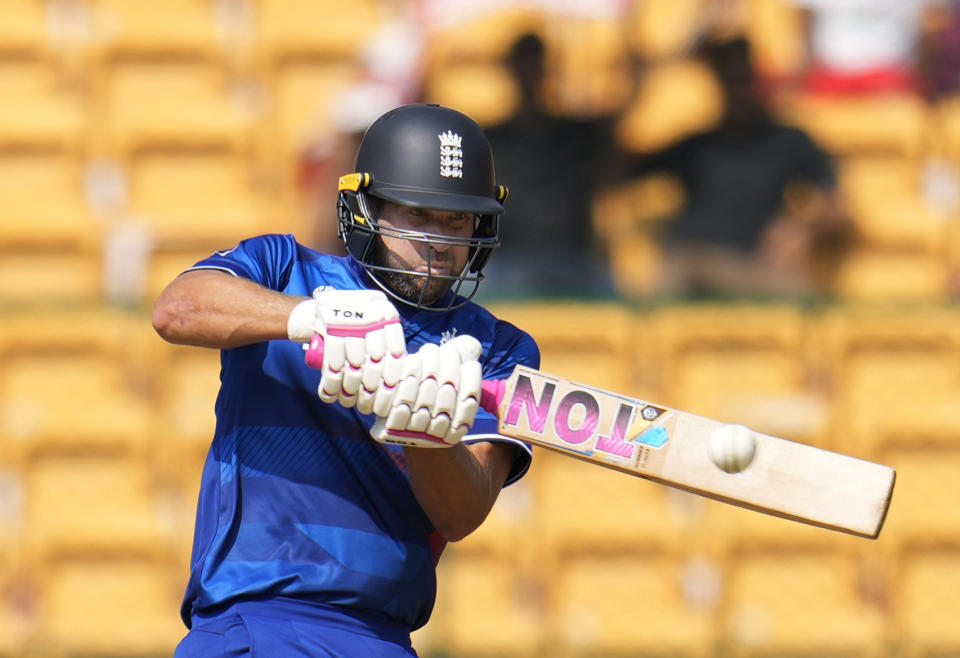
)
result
[(775, 30), (50, 275), (586, 342), (661, 29), (170, 103), (42, 203), (486, 37), (288, 29), (591, 69), (92, 506), (916, 520), (633, 605), (62, 402), (484, 91), (488, 607), (39, 109), (193, 199), (583, 509), (739, 362), (896, 376), (885, 198), (674, 99), (110, 607), (303, 112), (894, 125), (925, 625), (799, 604), (24, 27), (125, 28)]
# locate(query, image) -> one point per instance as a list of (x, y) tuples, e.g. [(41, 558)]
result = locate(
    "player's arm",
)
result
[(361, 329), (210, 308), (458, 486)]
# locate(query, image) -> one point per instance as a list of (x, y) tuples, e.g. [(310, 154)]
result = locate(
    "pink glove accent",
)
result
[(490, 397)]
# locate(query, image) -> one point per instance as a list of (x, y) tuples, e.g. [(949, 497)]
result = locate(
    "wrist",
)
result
[(301, 321)]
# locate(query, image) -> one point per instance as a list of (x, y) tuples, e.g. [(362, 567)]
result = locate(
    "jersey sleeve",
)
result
[(510, 348), (265, 259)]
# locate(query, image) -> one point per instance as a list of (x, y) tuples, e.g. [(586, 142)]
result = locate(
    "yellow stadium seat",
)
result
[(739, 531), (799, 604), (487, 607), (42, 202), (168, 104), (895, 374), (24, 27), (197, 199), (51, 275), (590, 72), (82, 505), (305, 97), (884, 197), (894, 125), (775, 30), (926, 604), (630, 605), (592, 344), (72, 401), (923, 513), (665, 28), (314, 28), (39, 110), (584, 508), (143, 27), (674, 99), (480, 35), (484, 91), (874, 275), (739, 363), (115, 607)]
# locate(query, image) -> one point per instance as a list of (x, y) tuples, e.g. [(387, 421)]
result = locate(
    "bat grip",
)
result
[(491, 392)]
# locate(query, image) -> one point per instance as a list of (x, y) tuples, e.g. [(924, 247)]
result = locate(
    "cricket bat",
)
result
[(680, 449)]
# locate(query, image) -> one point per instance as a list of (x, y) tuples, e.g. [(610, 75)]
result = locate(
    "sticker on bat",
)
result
[(583, 421)]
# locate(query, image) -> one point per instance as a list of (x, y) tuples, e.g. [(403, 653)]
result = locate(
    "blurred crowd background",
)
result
[(743, 208)]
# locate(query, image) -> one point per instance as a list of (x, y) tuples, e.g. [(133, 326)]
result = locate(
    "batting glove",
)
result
[(437, 398), (363, 346)]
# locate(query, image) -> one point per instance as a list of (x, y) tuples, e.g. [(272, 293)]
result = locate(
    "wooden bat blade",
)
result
[(785, 478)]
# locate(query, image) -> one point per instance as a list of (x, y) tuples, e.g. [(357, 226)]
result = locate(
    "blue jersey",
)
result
[(296, 500)]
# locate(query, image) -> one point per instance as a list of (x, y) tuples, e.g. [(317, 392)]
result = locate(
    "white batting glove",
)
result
[(363, 346), (437, 399)]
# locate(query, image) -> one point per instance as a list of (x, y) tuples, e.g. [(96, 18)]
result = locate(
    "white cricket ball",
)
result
[(732, 447)]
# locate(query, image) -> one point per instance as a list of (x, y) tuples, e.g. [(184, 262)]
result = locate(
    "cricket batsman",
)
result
[(328, 494)]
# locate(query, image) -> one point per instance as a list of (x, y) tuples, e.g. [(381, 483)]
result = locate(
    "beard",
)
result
[(418, 289)]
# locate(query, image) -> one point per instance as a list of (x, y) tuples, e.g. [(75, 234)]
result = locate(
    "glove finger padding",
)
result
[(363, 347), (437, 399)]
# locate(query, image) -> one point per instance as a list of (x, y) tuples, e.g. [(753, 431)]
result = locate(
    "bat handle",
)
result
[(491, 393), (314, 355)]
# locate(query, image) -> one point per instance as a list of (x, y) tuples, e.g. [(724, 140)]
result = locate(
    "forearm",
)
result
[(208, 308), (458, 486)]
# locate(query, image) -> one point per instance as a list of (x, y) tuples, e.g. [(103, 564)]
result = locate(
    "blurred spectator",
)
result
[(941, 53), (736, 232), (552, 166), (865, 46)]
